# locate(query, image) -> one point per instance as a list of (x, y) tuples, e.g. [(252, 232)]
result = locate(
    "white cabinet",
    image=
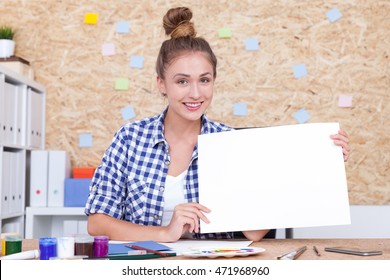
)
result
[(55, 221), (22, 129)]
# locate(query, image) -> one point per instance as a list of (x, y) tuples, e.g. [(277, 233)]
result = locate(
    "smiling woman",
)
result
[(146, 187)]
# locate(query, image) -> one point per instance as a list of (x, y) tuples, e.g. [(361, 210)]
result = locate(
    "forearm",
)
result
[(255, 235), (101, 224)]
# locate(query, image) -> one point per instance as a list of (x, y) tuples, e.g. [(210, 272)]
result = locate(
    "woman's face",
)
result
[(188, 85)]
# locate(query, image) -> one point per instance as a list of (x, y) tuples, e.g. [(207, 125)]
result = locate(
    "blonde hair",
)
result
[(176, 23)]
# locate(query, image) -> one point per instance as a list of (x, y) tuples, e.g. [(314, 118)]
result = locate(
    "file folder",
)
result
[(39, 178), (59, 170)]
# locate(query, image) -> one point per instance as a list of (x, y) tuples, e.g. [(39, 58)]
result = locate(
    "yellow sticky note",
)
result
[(91, 18), (121, 84), (225, 32)]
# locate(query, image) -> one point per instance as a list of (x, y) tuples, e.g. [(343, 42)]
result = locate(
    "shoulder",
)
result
[(145, 127), (209, 126)]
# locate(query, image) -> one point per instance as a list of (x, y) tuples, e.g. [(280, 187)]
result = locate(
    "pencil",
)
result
[(316, 251), (136, 247)]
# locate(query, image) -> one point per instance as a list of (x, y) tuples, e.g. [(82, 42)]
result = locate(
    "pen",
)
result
[(136, 247), (316, 251)]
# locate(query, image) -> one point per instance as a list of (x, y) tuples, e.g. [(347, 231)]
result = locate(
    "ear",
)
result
[(161, 84)]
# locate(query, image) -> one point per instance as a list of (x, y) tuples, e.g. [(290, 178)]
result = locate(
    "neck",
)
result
[(180, 127)]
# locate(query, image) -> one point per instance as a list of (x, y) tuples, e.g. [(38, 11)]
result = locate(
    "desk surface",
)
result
[(276, 247)]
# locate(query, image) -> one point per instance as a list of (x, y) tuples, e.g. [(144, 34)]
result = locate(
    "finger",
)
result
[(339, 137), (342, 132)]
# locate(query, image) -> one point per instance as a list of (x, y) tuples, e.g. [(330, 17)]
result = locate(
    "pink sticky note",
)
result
[(108, 49), (345, 101)]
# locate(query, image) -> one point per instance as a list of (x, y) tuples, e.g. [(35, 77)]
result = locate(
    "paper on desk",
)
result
[(186, 245), (275, 177)]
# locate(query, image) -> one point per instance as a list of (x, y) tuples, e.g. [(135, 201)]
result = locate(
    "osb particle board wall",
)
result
[(349, 57)]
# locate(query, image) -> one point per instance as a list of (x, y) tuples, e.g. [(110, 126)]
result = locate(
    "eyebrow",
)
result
[(186, 75)]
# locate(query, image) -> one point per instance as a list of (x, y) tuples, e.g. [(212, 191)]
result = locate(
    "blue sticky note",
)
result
[(123, 27), (136, 61), (85, 140), (240, 109), (301, 116), (128, 113), (300, 71), (333, 15), (251, 44)]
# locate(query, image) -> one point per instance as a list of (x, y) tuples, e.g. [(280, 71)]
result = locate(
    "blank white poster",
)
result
[(273, 177)]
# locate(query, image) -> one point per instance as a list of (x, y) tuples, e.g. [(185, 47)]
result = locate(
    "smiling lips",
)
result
[(193, 106)]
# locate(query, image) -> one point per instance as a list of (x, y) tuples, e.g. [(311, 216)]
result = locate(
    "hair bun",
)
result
[(176, 23)]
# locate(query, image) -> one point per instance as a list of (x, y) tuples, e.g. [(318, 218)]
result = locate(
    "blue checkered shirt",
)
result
[(129, 183)]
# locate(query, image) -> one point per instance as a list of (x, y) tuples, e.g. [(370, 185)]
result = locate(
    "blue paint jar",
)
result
[(47, 247)]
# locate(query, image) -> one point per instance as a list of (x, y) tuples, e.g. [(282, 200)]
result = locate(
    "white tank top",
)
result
[(173, 195)]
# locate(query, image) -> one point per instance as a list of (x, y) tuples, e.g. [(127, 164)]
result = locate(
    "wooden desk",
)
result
[(276, 247)]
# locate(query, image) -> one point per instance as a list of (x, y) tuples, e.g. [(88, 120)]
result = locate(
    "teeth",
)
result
[(192, 104)]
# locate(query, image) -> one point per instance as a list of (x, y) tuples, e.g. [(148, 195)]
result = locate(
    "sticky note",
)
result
[(240, 109), (123, 27), (91, 18), (121, 84), (108, 49), (345, 101), (301, 116), (300, 71), (136, 61), (85, 140), (251, 44), (128, 113), (224, 33), (334, 15)]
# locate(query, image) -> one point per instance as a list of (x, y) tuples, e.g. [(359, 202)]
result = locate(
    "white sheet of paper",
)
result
[(274, 177), (186, 245)]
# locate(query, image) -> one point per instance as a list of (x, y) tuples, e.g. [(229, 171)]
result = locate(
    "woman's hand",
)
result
[(341, 139), (186, 218)]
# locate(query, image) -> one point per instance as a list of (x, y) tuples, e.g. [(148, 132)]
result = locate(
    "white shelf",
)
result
[(16, 143), (55, 221)]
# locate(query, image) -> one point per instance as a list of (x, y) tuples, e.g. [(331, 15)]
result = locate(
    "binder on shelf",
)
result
[(39, 169), (59, 170), (6, 180), (21, 115), (35, 115), (20, 179), (10, 113), (2, 108)]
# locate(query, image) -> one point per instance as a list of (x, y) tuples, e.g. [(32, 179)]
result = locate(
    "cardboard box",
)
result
[(18, 65)]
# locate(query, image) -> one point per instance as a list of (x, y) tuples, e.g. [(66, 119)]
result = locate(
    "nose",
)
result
[(195, 91)]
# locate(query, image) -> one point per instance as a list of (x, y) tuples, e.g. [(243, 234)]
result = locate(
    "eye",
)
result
[(182, 81), (205, 80)]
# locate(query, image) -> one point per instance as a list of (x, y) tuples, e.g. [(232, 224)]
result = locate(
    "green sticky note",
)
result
[(225, 32), (121, 84)]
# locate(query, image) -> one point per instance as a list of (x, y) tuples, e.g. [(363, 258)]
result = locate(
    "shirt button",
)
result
[(161, 189), (156, 217), (94, 189), (167, 162)]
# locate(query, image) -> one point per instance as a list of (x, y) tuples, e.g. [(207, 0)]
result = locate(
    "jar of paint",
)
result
[(100, 246), (47, 247), (65, 247), (13, 244), (83, 245)]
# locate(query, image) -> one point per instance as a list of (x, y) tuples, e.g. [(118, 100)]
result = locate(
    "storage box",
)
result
[(18, 65), (76, 192), (83, 172)]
